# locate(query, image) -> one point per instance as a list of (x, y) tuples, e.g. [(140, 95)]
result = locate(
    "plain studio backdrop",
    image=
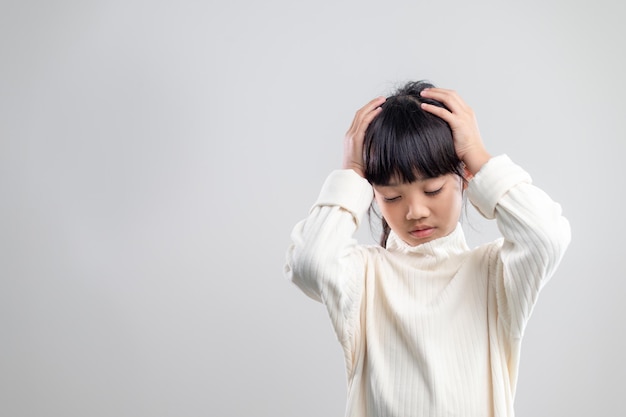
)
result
[(155, 155)]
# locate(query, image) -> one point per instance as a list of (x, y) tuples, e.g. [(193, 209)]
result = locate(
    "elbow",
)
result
[(301, 269), (556, 238)]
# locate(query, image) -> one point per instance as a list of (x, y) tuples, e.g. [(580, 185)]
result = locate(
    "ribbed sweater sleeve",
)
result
[(535, 237), (324, 259)]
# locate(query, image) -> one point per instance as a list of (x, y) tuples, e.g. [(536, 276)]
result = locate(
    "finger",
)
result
[(367, 119), (440, 112), (372, 105), (360, 126), (364, 113), (375, 102), (449, 98), (370, 111), (435, 92)]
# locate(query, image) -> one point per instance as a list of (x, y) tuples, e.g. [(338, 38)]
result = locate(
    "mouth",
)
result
[(421, 232)]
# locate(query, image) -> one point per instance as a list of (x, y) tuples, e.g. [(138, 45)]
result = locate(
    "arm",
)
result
[(324, 260), (535, 233), (323, 257)]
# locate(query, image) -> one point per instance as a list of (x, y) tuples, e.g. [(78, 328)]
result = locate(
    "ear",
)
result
[(467, 177)]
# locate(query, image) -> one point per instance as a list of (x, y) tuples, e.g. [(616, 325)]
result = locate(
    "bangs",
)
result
[(405, 143)]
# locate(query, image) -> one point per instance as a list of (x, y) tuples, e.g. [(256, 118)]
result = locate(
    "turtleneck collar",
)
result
[(443, 247)]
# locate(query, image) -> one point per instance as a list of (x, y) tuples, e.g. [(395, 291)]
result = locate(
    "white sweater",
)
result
[(431, 330)]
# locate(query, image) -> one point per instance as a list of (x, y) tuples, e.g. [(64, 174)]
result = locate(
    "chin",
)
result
[(413, 241)]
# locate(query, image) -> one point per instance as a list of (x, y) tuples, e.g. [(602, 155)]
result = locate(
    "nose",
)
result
[(417, 210)]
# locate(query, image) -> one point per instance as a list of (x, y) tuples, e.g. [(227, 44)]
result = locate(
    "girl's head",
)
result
[(411, 162)]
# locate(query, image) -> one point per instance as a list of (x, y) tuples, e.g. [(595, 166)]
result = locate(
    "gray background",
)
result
[(155, 155)]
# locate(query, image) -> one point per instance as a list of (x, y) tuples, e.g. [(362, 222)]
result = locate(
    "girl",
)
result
[(428, 326)]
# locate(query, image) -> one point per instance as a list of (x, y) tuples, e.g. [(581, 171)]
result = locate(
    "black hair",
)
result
[(407, 143)]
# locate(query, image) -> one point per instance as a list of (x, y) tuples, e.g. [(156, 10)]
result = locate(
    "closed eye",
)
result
[(390, 199), (434, 192)]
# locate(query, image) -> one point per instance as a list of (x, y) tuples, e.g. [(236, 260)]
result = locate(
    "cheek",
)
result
[(455, 204), (388, 211), (396, 216), (384, 210)]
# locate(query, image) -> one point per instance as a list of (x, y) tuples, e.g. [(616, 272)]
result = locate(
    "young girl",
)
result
[(428, 326)]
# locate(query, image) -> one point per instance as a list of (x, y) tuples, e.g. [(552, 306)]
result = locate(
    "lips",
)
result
[(421, 232)]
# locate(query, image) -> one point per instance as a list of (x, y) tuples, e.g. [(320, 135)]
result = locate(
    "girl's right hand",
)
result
[(353, 142)]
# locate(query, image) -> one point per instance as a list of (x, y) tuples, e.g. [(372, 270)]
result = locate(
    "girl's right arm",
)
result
[(324, 259)]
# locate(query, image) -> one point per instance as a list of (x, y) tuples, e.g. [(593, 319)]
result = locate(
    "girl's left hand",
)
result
[(467, 140)]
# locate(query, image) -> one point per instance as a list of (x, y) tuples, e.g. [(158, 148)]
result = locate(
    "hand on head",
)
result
[(461, 119), (353, 142), (457, 114)]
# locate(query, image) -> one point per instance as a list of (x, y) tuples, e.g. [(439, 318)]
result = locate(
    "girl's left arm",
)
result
[(535, 233)]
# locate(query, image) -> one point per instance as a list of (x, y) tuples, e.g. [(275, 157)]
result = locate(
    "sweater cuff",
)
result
[(492, 182), (348, 190)]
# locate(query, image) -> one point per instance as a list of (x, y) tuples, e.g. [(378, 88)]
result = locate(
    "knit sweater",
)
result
[(435, 329)]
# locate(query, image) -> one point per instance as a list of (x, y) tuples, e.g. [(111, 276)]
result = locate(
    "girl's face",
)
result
[(422, 210)]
